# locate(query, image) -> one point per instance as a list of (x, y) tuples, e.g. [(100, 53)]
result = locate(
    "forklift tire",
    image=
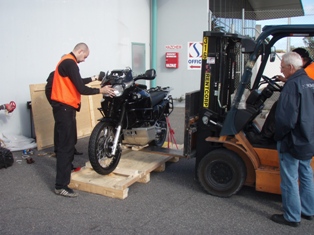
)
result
[(222, 172)]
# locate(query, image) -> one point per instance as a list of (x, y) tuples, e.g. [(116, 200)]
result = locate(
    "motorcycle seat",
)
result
[(157, 96)]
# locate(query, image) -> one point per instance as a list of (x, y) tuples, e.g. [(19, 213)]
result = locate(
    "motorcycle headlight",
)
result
[(118, 90)]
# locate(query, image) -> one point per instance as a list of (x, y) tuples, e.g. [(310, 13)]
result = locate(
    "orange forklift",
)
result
[(219, 115)]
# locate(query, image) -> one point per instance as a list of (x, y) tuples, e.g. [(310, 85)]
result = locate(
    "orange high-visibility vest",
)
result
[(63, 90), (310, 70)]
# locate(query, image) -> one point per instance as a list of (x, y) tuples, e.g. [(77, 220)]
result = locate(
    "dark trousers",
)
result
[(65, 139)]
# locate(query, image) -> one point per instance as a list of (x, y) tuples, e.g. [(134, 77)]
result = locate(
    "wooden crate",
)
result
[(134, 166), (43, 118)]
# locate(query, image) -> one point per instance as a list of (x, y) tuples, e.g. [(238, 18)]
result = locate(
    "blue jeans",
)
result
[(297, 186)]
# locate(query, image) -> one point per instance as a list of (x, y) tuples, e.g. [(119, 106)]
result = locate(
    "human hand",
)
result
[(94, 78), (281, 78), (107, 90)]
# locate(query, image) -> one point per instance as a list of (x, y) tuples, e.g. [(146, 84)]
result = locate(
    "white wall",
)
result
[(35, 33), (179, 22)]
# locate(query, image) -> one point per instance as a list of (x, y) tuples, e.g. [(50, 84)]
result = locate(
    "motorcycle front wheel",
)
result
[(100, 146), (161, 132)]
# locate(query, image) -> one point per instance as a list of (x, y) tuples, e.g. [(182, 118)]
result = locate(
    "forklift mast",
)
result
[(219, 64)]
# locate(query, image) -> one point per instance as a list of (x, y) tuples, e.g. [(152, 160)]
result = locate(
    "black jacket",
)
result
[(295, 116)]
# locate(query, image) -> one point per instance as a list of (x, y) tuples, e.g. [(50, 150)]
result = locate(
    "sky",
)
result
[(308, 18)]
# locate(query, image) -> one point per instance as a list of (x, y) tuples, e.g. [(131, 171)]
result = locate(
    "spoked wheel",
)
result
[(100, 147), (161, 132), (222, 172)]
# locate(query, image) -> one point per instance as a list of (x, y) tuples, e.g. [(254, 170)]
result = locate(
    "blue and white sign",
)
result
[(194, 55)]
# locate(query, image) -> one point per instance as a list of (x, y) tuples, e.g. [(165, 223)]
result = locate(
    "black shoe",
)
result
[(77, 152), (66, 192), (281, 220), (307, 217)]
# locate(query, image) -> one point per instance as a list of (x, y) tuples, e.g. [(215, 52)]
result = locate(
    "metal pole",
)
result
[(288, 38), (243, 31), (210, 14), (154, 37)]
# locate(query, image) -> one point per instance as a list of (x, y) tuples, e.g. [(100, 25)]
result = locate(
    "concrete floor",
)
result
[(171, 203)]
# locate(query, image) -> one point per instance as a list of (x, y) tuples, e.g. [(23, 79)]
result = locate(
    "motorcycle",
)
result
[(134, 116)]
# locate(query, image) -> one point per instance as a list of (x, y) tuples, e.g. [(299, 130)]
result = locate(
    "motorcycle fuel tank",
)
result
[(140, 98)]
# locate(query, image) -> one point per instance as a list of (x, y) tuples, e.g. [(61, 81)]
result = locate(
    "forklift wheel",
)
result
[(222, 172)]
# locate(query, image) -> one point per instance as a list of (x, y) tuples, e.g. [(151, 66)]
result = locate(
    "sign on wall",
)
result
[(173, 47), (194, 55)]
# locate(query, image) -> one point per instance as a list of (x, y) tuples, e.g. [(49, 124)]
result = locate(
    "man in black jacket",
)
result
[(294, 132), (67, 89), (266, 136), (48, 89)]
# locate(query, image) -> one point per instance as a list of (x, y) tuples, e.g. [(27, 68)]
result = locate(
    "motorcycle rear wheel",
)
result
[(161, 132), (100, 146)]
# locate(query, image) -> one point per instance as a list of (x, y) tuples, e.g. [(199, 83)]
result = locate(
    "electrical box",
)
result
[(172, 60)]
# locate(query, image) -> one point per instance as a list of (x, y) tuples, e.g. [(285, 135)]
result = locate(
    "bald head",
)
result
[(80, 46), (81, 52)]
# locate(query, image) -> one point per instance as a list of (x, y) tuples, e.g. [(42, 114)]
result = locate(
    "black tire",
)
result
[(222, 173), (161, 133), (99, 149)]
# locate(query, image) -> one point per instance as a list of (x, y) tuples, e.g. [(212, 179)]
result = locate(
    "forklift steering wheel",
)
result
[(272, 83)]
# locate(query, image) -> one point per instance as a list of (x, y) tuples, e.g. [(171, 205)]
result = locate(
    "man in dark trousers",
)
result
[(48, 89), (67, 89), (294, 132)]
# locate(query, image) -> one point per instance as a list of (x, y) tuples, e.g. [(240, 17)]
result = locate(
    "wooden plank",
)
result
[(134, 166), (164, 151), (43, 118), (89, 181)]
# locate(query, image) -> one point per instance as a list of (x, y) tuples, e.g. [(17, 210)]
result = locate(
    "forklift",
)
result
[(218, 116)]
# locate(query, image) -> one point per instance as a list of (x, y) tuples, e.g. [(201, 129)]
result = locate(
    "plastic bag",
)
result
[(17, 142)]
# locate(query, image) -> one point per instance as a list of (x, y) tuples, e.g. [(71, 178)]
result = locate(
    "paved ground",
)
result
[(171, 203)]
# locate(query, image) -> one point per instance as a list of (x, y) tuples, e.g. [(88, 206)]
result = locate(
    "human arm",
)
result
[(98, 77), (90, 79), (287, 111), (68, 68)]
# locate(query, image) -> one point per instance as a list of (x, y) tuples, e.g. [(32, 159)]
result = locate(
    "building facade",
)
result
[(119, 33)]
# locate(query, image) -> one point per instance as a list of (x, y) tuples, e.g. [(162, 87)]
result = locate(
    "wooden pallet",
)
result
[(134, 166)]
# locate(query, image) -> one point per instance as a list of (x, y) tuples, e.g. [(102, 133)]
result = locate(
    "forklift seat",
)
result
[(254, 106)]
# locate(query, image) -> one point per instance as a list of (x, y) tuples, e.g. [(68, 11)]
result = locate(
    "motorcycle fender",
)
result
[(108, 120)]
